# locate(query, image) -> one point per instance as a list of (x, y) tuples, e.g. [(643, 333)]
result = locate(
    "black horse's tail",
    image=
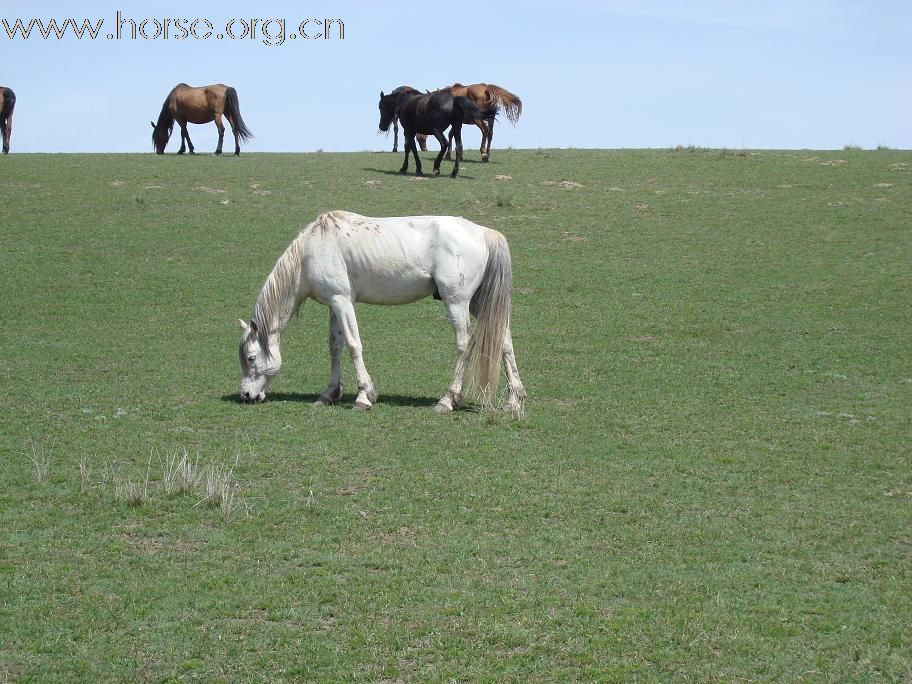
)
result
[(9, 101), (469, 108), (233, 112)]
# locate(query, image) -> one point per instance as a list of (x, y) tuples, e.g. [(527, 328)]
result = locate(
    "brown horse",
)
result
[(185, 104), (484, 96), (7, 104)]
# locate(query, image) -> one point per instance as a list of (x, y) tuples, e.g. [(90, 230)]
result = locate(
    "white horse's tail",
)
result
[(491, 306)]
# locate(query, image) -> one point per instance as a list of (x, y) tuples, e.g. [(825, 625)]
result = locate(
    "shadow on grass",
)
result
[(346, 401), (411, 173)]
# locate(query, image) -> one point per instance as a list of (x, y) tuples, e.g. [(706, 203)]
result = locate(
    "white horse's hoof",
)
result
[(445, 405), (361, 405)]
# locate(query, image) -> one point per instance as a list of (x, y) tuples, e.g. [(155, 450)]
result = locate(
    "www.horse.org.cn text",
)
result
[(270, 32)]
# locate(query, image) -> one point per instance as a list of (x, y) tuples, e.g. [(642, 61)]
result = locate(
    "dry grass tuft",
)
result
[(85, 475), (221, 489), (134, 493), (40, 456), (180, 474)]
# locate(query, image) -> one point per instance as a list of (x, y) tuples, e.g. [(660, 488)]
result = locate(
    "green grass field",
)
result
[(712, 481)]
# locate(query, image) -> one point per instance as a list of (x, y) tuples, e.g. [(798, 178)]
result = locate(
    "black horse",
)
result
[(421, 138), (431, 113)]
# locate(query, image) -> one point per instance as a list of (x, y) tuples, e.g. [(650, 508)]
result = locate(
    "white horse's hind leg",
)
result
[(345, 313), (516, 393), (458, 315), (333, 390)]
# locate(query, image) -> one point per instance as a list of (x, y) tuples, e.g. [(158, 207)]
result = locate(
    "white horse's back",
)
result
[(394, 260)]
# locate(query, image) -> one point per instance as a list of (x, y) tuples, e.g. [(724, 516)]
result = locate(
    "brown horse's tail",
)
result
[(491, 306), (507, 101), (233, 112)]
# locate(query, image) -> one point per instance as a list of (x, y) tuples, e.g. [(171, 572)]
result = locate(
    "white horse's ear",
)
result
[(243, 323)]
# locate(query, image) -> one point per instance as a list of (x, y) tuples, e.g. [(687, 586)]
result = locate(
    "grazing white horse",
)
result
[(342, 258)]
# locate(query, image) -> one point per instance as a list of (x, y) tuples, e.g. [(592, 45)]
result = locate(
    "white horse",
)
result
[(342, 258)]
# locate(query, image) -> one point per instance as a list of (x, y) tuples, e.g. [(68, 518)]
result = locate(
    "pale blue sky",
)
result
[(612, 74)]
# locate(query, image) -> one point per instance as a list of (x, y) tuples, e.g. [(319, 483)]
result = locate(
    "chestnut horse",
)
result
[(7, 103), (186, 104), (483, 96)]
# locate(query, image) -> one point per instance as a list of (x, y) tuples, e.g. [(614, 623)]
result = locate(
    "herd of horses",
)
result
[(432, 113), (342, 258), (420, 114)]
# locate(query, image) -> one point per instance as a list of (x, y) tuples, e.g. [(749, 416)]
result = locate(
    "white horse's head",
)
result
[(260, 361)]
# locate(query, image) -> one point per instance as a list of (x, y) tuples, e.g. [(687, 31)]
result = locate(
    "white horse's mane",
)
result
[(283, 279)]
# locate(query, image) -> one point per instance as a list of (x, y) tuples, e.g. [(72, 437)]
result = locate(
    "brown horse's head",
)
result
[(161, 133)]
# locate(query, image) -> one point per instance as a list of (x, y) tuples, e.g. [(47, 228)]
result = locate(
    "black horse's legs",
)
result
[(414, 145), (407, 141), (442, 139), (448, 156), (457, 131), (395, 135), (405, 144)]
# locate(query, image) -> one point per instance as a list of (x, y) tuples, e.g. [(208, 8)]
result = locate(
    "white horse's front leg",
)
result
[(333, 390), (344, 310), (458, 315)]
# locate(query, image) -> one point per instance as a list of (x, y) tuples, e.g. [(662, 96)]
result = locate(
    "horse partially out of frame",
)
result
[(7, 104), (342, 258), (201, 105)]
